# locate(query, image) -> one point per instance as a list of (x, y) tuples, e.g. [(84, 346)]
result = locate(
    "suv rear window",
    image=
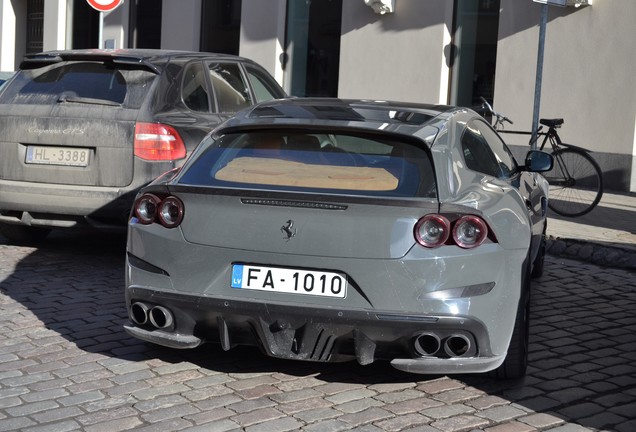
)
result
[(79, 82), (314, 162)]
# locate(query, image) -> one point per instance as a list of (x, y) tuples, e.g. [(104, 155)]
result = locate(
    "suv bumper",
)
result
[(63, 206)]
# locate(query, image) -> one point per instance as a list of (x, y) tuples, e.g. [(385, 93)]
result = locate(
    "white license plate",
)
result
[(293, 281), (68, 156)]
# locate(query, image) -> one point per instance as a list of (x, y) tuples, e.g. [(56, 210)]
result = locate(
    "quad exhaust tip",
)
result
[(139, 313), (157, 316), (457, 345), (426, 344)]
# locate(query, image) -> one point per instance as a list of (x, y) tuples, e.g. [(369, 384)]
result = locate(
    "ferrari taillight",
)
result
[(170, 213), (150, 209), (469, 231), (158, 142), (146, 208), (434, 230)]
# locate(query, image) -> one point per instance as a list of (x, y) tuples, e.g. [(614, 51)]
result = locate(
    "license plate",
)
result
[(293, 281), (67, 156)]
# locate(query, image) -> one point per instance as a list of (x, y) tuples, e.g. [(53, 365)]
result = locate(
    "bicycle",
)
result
[(576, 179)]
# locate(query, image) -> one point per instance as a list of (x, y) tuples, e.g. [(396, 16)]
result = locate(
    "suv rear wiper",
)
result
[(85, 100)]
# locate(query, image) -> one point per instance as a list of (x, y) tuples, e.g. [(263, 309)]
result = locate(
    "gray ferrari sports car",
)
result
[(332, 230)]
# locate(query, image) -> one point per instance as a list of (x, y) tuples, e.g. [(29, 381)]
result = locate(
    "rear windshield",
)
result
[(79, 82), (314, 162)]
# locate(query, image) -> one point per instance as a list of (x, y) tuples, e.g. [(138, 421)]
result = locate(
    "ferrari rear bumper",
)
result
[(426, 344)]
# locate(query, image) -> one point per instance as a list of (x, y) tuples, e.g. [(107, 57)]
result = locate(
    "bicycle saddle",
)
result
[(553, 123)]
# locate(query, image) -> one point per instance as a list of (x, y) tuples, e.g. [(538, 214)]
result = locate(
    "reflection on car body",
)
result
[(85, 129), (331, 230)]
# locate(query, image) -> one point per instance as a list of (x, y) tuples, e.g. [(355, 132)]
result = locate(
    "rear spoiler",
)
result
[(34, 61)]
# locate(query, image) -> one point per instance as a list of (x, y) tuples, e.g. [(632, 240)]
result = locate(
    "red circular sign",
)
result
[(104, 5)]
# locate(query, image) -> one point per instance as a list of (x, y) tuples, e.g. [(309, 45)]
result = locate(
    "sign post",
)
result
[(539, 76), (103, 6)]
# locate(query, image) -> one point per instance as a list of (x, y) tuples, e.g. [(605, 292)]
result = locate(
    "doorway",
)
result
[(221, 26), (475, 35), (312, 51), (85, 26), (145, 24)]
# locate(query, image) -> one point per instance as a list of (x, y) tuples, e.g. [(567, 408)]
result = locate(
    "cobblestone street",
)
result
[(66, 363)]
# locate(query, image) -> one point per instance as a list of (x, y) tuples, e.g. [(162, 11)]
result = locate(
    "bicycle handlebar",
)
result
[(500, 117)]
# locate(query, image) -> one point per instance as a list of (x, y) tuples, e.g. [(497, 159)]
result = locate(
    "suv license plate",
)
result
[(67, 156), (293, 281)]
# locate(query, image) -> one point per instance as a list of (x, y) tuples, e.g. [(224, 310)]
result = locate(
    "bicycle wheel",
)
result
[(576, 182)]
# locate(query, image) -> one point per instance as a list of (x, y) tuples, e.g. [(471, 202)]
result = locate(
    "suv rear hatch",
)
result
[(72, 122)]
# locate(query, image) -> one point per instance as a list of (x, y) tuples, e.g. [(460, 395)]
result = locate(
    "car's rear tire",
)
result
[(537, 267), (23, 234), (516, 362)]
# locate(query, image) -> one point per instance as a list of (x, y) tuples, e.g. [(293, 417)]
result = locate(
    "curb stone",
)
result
[(592, 252)]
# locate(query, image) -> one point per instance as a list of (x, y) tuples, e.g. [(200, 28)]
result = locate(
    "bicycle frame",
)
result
[(567, 197), (555, 140)]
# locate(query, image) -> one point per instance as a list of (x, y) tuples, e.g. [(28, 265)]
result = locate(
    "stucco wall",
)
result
[(181, 25), (13, 38), (115, 31), (588, 76), (263, 34), (396, 56)]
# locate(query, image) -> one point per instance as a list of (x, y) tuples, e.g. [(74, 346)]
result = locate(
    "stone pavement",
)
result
[(67, 365)]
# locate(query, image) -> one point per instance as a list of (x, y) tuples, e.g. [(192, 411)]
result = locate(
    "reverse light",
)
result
[(432, 230), (149, 209), (158, 142)]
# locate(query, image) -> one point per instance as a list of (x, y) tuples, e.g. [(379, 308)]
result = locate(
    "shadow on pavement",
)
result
[(620, 219), (616, 212), (583, 330)]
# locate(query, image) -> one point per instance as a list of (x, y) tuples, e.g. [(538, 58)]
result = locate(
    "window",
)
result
[(263, 90), (79, 82), (230, 89), (504, 156), (485, 152), (35, 26), (194, 89), (301, 160), (313, 47), (473, 53)]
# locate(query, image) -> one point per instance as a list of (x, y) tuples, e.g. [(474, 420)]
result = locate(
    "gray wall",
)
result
[(181, 25), (263, 33), (588, 77), (397, 56)]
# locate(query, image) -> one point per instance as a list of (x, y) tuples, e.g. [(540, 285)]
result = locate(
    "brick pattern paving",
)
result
[(67, 365)]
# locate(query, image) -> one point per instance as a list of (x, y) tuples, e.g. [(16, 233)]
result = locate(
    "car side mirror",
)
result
[(538, 161)]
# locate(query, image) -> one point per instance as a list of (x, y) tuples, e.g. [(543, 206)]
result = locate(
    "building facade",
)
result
[(436, 51)]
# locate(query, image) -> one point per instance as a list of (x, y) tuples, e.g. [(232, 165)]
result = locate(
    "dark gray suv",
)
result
[(83, 130)]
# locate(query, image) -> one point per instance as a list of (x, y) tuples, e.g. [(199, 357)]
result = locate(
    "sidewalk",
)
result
[(606, 236)]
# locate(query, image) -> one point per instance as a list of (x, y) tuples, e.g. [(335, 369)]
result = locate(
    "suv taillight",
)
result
[(158, 142)]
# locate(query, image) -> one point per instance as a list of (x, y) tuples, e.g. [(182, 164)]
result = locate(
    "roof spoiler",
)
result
[(34, 61)]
